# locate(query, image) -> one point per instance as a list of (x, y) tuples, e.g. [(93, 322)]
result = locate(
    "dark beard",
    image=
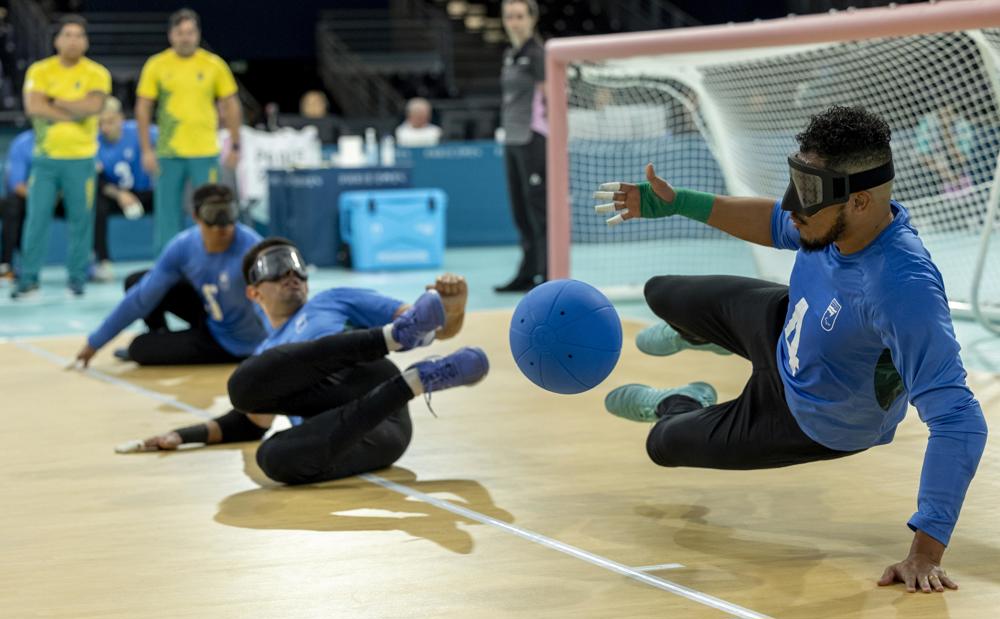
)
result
[(836, 230)]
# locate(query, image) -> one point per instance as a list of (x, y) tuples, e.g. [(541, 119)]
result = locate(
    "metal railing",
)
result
[(356, 89)]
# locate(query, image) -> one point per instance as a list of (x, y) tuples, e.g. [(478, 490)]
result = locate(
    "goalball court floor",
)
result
[(515, 502)]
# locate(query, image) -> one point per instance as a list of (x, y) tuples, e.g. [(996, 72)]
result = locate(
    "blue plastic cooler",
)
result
[(392, 229)]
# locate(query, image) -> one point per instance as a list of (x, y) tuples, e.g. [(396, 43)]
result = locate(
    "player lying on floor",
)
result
[(325, 362)]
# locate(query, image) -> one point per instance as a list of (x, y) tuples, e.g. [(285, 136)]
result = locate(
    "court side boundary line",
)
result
[(537, 538), (661, 566), (112, 380), (573, 551)]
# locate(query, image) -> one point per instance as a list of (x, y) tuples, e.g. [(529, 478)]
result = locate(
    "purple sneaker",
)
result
[(416, 326), (465, 366)]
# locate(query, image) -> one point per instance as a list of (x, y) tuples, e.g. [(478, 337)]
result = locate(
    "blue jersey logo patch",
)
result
[(830, 315)]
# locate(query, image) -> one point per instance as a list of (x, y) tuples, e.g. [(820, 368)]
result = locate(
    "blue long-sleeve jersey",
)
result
[(867, 332), (333, 311), (217, 277), (18, 165)]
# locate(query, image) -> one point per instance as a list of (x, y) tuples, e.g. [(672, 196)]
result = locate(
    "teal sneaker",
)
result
[(661, 340), (638, 402)]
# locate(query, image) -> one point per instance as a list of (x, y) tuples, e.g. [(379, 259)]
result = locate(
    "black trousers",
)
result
[(12, 212), (105, 206), (526, 185), (353, 399), (756, 430), (192, 346)]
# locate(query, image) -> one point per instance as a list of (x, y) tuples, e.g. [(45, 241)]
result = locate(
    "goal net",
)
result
[(725, 120)]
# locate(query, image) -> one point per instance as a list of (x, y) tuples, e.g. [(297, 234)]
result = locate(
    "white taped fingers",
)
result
[(610, 195), (132, 447), (608, 207)]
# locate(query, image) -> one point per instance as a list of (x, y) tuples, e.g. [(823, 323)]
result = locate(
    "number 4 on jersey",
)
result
[(793, 332)]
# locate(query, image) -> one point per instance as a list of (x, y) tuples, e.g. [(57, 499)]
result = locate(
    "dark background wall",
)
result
[(248, 29)]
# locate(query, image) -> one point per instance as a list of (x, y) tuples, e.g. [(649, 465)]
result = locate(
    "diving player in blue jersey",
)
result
[(197, 278), (863, 328), (325, 361)]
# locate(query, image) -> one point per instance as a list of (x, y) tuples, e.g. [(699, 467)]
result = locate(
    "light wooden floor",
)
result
[(199, 533)]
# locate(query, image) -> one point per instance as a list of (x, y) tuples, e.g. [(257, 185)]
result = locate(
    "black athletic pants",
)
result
[(526, 185), (192, 346), (353, 399), (105, 206), (756, 430), (12, 213)]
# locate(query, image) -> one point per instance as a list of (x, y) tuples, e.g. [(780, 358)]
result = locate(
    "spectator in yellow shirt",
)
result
[(63, 95), (184, 82)]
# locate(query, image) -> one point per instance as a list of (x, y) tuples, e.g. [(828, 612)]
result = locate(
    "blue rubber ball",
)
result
[(566, 336)]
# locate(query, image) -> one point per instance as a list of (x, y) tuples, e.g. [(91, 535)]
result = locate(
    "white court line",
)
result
[(107, 378), (537, 538), (657, 568), (573, 551)]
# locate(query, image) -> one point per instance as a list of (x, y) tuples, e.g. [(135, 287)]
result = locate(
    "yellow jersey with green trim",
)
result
[(185, 91), (67, 139)]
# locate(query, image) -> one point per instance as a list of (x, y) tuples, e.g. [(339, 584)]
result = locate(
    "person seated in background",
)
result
[(417, 129), (313, 112), (325, 361), (198, 279), (14, 204), (314, 104), (12, 208), (123, 186)]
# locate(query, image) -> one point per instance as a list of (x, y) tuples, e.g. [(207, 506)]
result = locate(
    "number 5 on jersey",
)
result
[(210, 291), (793, 333)]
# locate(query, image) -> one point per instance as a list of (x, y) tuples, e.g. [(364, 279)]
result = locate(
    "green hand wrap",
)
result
[(696, 205)]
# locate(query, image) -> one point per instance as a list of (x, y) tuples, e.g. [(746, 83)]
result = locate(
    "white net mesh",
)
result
[(725, 122)]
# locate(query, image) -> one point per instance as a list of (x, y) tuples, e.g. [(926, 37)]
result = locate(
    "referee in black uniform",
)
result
[(523, 119)]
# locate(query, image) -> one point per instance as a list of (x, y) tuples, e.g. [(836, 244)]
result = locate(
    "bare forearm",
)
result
[(47, 111), (232, 117), (110, 190), (926, 546), (143, 120), (83, 108), (745, 218)]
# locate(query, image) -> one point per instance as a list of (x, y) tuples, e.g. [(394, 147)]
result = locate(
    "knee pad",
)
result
[(658, 445), (279, 463), (242, 387)]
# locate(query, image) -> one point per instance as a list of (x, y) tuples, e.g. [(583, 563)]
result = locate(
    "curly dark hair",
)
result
[(251, 256), (848, 139)]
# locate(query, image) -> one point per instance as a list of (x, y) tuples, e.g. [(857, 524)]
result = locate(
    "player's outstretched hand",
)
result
[(454, 293), (624, 200), (84, 356), (162, 442), (917, 571)]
